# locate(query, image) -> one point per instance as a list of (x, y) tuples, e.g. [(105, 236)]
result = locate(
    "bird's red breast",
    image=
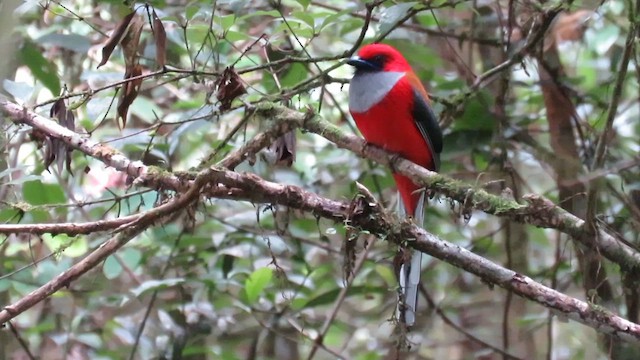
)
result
[(391, 108)]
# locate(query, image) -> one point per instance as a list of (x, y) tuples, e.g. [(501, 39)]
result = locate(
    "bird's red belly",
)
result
[(393, 128)]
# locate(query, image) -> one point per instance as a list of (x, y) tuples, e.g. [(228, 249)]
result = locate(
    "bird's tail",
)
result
[(409, 277)]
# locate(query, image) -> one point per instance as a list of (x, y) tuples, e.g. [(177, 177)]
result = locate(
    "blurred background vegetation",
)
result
[(524, 104)]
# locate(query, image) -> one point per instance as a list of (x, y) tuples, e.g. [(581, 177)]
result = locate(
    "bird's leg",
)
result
[(364, 145), (393, 158)]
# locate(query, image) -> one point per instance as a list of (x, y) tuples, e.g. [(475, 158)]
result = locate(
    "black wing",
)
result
[(428, 125)]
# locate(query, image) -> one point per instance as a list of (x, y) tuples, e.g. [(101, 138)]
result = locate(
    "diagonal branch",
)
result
[(130, 231), (106, 154), (538, 211), (68, 228)]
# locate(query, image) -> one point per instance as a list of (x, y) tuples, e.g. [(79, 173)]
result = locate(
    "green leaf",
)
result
[(156, 284), (261, 13), (73, 42), (131, 257), (26, 7), (191, 11), (294, 75), (227, 21), (427, 19), (50, 268), (72, 246), (111, 268), (305, 18), (350, 25), (386, 273), (334, 18), (19, 90), (4, 284), (7, 215), (146, 110), (76, 247), (461, 141), (301, 28), (38, 193), (476, 115), (393, 14), (41, 68), (22, 288), (256, 283), (331, 295), (304, 3), (90, 339), (605, 38), (197, 33)]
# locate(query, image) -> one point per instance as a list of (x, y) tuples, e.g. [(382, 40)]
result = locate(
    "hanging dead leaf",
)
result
[(117, 35), (568, 27), (284, 148), (130, 42), (229, 87), (160, 37), (56, 149), (128, 94), (349, 258), (571, 27), (38, 137), (357, 207), (57, 108), (50, 151)]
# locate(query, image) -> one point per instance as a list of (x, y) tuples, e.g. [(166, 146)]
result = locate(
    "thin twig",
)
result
[(152, 301), (611, 113), (369, 241), (21, 341), (447, 320), (68, 228)]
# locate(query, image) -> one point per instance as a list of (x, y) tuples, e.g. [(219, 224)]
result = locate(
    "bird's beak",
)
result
[(361, 64)]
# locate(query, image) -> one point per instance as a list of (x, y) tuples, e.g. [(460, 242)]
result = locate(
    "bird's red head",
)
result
[(379, 57)]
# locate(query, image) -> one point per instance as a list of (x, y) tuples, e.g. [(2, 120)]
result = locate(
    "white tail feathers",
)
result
[(409, 277)]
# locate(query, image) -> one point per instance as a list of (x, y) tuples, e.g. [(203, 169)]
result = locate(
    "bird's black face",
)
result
[(373, 64)]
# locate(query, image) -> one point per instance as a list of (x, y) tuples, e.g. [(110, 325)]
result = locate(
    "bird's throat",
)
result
[(369, 88)]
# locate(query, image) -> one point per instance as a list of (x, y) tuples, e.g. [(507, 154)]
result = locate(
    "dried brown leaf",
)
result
[(50, 150), (571, 27), (285, 149), (568, 27), (54, 148), (349, 259), (128, 94), (130, 42), (160, 37), (116, 37), (357, 207), (57, 108), (229, 87)]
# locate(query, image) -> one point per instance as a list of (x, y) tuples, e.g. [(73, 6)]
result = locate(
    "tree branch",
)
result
[(68, 228)]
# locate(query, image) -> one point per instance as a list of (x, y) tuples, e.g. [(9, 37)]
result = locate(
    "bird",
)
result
[(392, 110)]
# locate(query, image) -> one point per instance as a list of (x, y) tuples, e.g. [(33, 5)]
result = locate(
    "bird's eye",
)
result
[(378, 59)]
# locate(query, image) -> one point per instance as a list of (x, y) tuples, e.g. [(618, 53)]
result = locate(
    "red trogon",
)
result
[(392, 110)]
